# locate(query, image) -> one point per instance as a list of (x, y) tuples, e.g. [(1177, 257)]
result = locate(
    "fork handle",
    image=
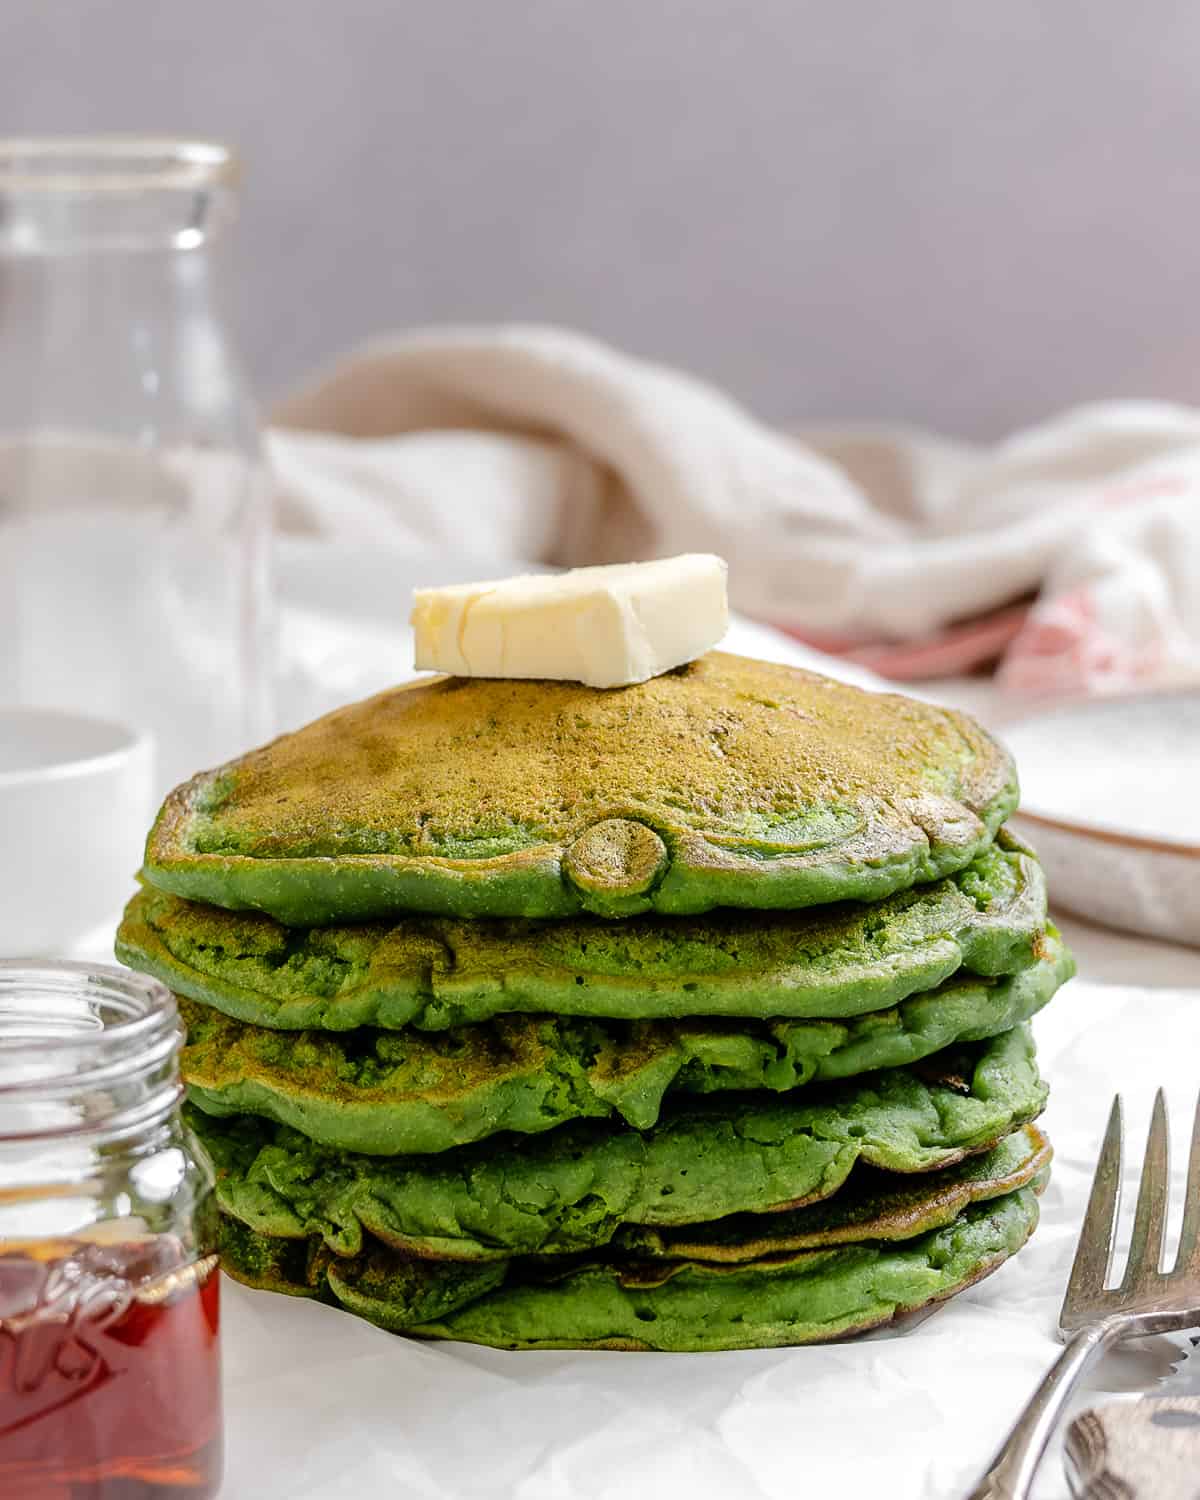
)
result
[(1011, 1472)]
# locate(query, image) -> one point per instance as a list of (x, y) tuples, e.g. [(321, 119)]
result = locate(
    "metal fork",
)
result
[(1093, 1318)]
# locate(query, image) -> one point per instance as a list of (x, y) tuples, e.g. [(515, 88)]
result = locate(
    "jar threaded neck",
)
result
[(86, 1051)]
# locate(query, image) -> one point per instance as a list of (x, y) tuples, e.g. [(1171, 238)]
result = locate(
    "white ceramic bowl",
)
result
[(74, 806), (1111, 801)]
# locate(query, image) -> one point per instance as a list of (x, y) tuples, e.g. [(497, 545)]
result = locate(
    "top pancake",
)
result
[(729, 782)]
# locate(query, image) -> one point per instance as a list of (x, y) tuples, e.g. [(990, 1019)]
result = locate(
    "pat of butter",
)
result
[(605, 627)]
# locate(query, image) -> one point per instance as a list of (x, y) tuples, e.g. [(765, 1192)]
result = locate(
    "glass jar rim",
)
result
[(147, 1021), (114, 163)]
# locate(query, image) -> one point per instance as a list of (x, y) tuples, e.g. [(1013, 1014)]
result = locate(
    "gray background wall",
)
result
[(923, 210)]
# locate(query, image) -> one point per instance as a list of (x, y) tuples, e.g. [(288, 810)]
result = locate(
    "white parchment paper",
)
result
[(322, 1407)]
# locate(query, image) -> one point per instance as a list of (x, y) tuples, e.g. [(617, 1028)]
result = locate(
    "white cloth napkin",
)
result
[(536, 444)]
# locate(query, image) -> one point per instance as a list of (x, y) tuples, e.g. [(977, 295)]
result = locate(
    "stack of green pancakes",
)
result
[(689, 1015)]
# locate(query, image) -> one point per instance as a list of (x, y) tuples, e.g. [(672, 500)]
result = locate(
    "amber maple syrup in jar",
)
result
[(109, 1314)]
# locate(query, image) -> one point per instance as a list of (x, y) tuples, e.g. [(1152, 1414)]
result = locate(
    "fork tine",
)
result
[(1093, 1257), (1150, 1218), (1188, 1259)]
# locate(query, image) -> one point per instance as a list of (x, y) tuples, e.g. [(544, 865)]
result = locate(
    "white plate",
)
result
[(1111, 800)]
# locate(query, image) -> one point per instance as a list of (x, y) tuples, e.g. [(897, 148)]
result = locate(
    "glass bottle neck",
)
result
[(64, 196), (106, 291)]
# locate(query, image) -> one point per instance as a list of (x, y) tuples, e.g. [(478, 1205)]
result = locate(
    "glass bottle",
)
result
[(134, 512), (109, 1357)]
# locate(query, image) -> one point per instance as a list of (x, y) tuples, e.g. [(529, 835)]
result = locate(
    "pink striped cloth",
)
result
[(1089, 525), (953, 651), (1069, 555)]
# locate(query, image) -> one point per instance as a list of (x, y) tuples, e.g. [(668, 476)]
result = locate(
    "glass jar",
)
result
[(134, 511), (109, 1361)]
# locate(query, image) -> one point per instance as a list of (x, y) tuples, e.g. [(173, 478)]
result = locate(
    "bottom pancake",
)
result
[(879, 1257), (805, 1298)]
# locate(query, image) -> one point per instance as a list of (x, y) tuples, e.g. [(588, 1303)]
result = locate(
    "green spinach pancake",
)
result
[(727, 782), (873, 1205), (807, 1297), (434, 973), (852, 1280), (392, 1093), (573, 1188)]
